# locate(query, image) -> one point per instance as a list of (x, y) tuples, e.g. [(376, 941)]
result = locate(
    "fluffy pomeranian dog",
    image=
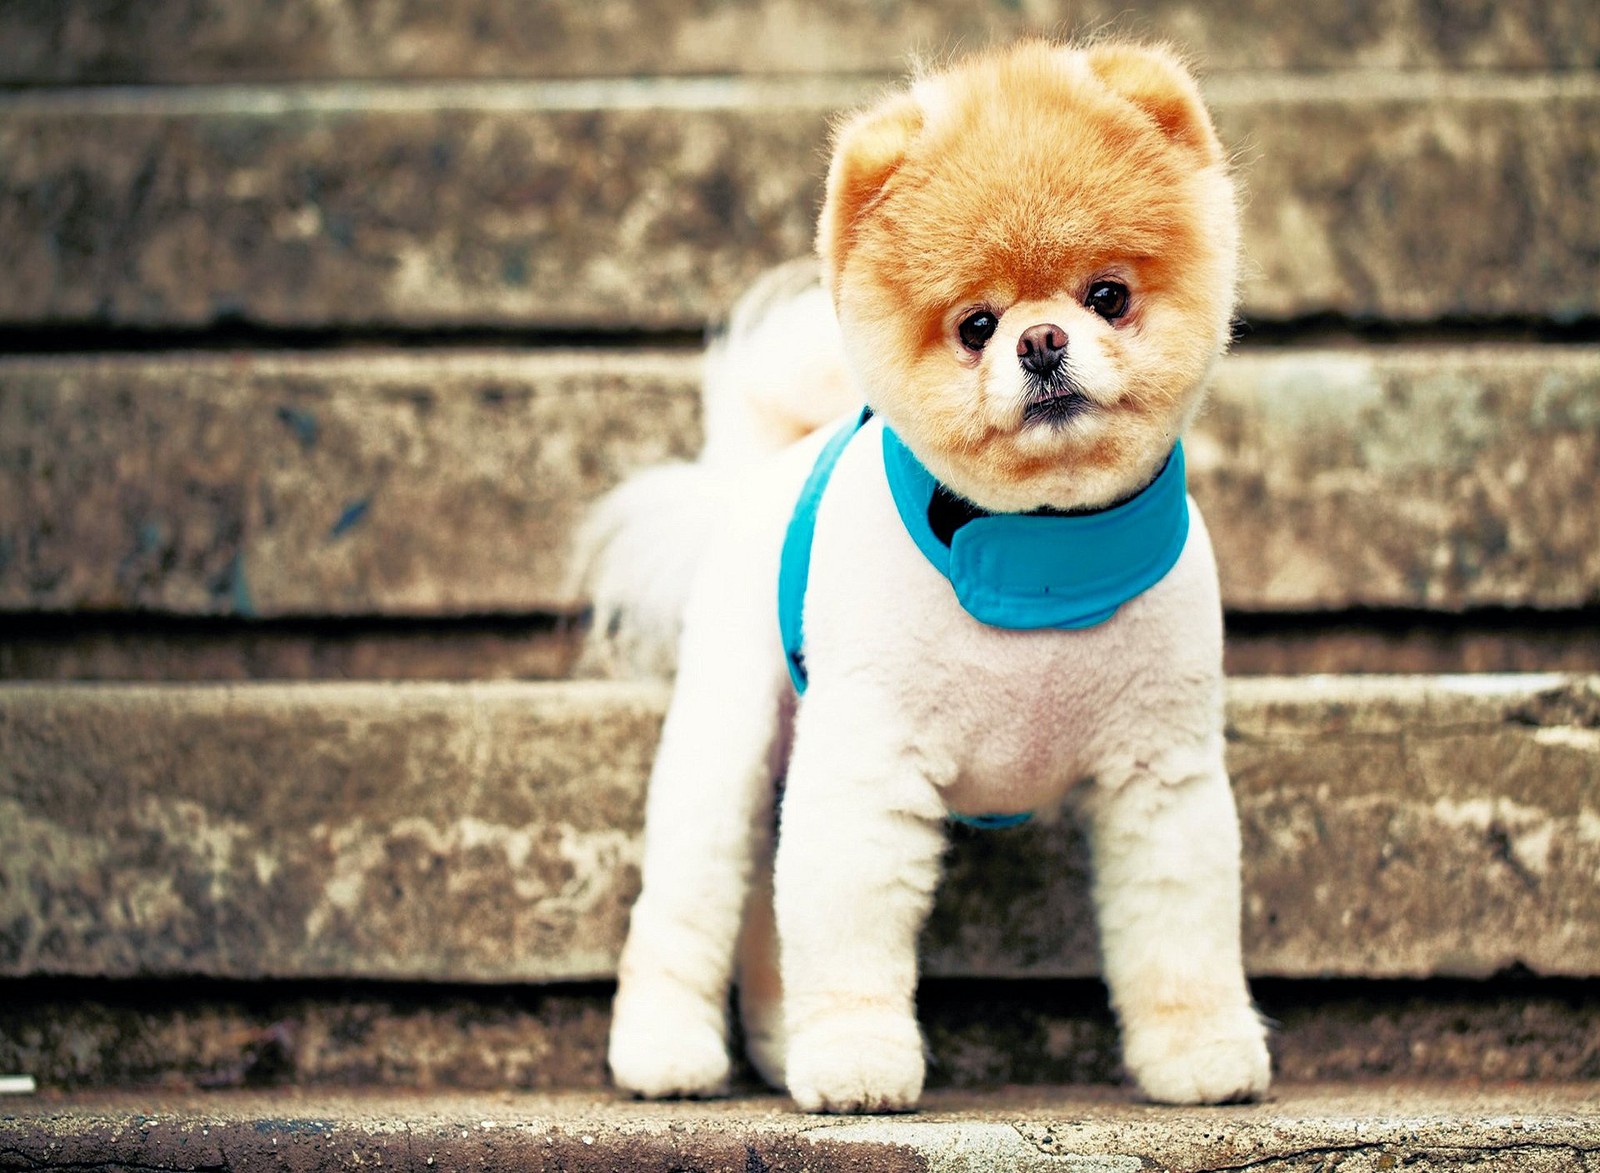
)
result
[(997, 598)]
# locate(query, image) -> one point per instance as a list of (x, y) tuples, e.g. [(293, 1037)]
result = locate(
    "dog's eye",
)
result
[(976, 329), (1109, 299)]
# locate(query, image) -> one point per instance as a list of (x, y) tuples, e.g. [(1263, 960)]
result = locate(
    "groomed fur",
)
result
[(1021, 189)]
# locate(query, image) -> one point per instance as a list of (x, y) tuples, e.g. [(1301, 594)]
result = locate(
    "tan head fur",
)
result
[(1016, 193)]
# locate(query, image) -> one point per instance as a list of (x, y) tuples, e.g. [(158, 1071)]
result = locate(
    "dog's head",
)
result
[(1033, 256)]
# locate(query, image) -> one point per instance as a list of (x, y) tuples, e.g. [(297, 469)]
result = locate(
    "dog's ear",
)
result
[(1156, 80), (866, 151)]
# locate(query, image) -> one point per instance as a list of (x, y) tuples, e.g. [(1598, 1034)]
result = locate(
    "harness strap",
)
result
[(794, 574), (794, 571)]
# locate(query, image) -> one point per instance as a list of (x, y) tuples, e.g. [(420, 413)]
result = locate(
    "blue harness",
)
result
[(1022, 571)]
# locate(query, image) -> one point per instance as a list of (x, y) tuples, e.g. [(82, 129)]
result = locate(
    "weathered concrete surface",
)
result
[(1433, 802), (1087, 1130), (393, 483), (1393, 827), (179, 1033), (479, 832), (650, 203), (258, 486), (56, 41), (1418, 478), (353, 208)]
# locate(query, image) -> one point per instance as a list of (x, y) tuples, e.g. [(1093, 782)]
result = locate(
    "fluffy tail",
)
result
[(775, 374)]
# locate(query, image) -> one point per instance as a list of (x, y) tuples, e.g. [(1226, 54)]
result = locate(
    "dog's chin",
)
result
[(1064, 450), (1060, 417), (1055, 409)]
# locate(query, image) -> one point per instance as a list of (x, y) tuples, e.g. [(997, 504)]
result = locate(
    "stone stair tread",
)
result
[(397, 483), (223, 40), (1393, 827), (1087, 1129), (350, 206)]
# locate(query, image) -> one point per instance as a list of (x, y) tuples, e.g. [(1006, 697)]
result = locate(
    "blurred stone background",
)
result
[(323, 320)]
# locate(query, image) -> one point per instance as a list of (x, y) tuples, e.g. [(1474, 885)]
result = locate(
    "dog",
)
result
[(996, 597)]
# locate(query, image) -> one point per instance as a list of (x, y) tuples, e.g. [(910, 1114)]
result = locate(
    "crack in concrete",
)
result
[(411, 1149), (1418, 1152), (1082, 1162), (1293, 1155)]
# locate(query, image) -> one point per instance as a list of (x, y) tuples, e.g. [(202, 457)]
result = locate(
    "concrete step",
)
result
[(649, 203), (1394, 827), (185, 1033), (157, 41), (400, 483), (1354, 1128)]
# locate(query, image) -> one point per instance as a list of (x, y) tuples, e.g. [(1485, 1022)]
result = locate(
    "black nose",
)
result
[(1040, 348)]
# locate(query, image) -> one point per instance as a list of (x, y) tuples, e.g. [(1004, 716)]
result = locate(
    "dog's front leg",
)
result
[(858, 859), (1166, 889), (708, 814)]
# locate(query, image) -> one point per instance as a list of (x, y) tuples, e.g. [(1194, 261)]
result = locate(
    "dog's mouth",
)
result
[(1054, 403)]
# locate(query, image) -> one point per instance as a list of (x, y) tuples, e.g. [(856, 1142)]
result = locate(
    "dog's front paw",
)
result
[(1185, 1055), (861, 1061), (666, 1043)]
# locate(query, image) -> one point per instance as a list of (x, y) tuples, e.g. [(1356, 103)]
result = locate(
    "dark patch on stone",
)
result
[(351, 516), (1501, 849), (302, 423), (341, 229), (235, 585), (1452, 25), (1569, 704), (266, 1059), (720, 196), (229, 307), (14, 934), (514, 268), (295, 1128), (1038, 867)]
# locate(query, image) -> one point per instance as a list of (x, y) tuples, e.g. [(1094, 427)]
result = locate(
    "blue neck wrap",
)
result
[(1022, 571), (1031, 570)]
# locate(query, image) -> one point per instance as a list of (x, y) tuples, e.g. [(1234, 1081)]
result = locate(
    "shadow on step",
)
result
[(196, 1033)]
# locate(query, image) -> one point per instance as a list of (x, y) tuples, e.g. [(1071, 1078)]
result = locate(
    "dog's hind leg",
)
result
[(709, 806)]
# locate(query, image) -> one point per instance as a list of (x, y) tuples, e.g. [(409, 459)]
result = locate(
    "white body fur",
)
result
[(916, 709)]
